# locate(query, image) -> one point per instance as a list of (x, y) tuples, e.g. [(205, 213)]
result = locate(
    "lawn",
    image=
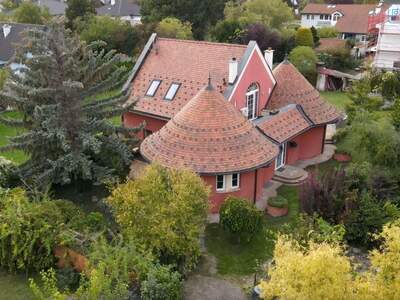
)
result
[(245, 259), (14, 287), (338, 99), (6, 132)]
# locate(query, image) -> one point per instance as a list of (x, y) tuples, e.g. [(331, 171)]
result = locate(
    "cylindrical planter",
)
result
[(277, 212)]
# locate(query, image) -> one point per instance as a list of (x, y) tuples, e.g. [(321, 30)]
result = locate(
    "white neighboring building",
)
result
[(350, 20), (388, 46)]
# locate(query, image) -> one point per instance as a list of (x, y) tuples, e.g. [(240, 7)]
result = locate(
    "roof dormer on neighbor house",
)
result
[(219, 110), (350, 20)]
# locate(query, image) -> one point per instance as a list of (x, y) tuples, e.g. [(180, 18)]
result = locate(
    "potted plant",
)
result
[(277, 206)]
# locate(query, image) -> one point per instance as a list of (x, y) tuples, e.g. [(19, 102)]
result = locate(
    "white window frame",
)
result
[(283, 162), (252, 113), (238, 181), (173, 93), (153, 82), (223, 183)]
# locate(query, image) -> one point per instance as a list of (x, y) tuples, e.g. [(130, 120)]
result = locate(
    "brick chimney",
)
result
[(233, 70)]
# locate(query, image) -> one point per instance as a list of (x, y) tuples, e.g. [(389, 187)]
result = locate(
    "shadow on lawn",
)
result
[(246, 259)]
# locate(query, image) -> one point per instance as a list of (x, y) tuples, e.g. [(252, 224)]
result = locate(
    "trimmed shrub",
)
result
[(305, 60), (278, 202), (240, 218), (161, 284), (304, 37)]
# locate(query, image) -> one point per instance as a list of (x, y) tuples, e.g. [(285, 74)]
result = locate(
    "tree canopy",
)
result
[(304, 37), (271, 13), (174, 28), (30, 13), (165, 211), (201, 14), (322, 271), (305, 60), (67, 133), (78, 9), (118, 35)]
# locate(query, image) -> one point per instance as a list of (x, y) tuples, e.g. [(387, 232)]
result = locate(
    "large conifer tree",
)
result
[(68, 135)]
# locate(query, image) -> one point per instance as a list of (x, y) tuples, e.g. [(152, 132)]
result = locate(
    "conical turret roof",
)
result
[(209, 136), (293, 88)]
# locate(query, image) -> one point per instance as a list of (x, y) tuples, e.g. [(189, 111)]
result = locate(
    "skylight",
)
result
[(153, 88), (172, 91)]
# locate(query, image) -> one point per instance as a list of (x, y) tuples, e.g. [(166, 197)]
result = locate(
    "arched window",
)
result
[(252, 101), (336, 16)]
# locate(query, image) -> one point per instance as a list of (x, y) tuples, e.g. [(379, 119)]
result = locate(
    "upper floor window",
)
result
[(321, 17), (308, 17), (172, 91), (336, 16), (252, 101), (153, 88), (220, 183)]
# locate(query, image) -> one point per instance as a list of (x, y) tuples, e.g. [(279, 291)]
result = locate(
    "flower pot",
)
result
[(276, 211)]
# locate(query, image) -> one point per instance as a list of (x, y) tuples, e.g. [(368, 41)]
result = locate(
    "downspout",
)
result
[(255, 186), (323, 140)]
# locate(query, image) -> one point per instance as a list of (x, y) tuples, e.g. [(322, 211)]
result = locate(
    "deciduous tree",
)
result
[(79, 9), (201, 14), (305, 61), (118, 35), (30, 13), (304, 37), (164, 210), (174, 28)]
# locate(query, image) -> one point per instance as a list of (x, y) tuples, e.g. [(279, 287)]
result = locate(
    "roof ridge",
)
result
[(24, 24), (203, 42)]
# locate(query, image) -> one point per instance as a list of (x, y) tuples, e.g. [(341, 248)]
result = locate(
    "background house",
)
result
[(10, 36), (127, 10), (388, 43), (350, 20)]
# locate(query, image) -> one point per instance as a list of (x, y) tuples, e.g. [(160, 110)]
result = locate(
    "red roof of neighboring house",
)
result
[(187, 63), (355, 16), (293, 88), (330, 43), (209, 136), (289, 122)]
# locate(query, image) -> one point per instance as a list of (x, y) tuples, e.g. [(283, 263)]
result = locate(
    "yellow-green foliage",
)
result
[(164, 210), (271, 13), (322, 271), (304, 37), (174, 28)]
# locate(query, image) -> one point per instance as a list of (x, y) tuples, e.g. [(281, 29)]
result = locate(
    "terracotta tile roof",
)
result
[(355, 16), (209, 136), (186, 62), (288, 123), (293, 88), (330, 43)]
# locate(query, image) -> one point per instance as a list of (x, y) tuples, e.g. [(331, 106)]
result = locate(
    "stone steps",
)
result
[(291, 181)]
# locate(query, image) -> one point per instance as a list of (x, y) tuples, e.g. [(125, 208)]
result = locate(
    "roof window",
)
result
[(153, 88), (172, 91)]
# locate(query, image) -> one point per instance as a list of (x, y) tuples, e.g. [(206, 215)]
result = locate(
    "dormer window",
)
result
[(173, 89), (252, 101), (153, 88)]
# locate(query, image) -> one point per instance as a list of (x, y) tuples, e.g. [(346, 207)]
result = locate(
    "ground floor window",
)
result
[(228, 182)]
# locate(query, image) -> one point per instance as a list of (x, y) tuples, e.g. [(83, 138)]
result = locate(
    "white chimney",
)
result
[(233, 70), (6, 30), (269, 57), (112, 2)]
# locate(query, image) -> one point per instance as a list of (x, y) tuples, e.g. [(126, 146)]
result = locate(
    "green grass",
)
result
[(6, 132), (14, 287), (338, 99), (245, 258)]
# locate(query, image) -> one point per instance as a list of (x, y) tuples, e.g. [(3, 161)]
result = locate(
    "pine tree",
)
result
[(68, 135)]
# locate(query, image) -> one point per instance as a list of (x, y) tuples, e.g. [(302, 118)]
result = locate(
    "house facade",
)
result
[(221, 111), (350, 20), (125, 10), (387, 56)]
